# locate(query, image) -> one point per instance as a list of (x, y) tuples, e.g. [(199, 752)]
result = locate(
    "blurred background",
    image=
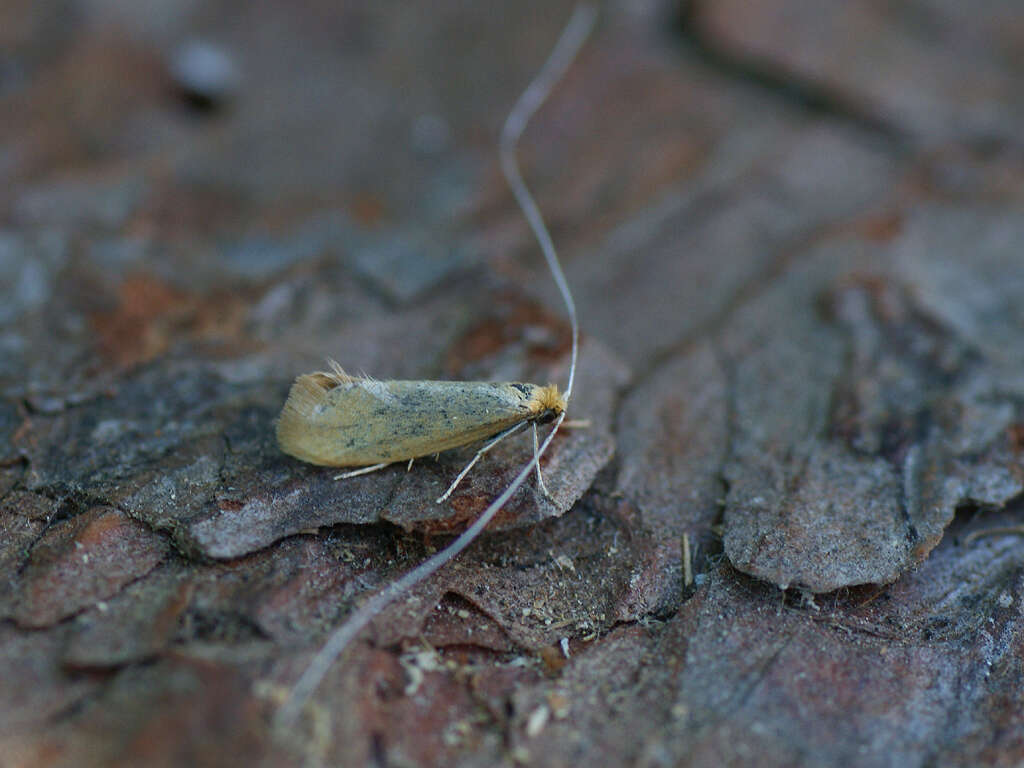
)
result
[(166, 163), (794, 234), (256, 172)]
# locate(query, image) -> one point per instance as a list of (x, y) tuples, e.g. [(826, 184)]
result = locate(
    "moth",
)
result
[(333, 419)]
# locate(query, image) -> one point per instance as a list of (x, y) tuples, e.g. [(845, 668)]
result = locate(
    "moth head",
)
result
[(548, 403)]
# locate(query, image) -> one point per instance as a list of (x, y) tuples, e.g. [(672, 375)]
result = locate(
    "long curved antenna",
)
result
[(575, 33)]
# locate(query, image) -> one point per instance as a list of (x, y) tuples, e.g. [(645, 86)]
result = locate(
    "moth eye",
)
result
[(547, 417)]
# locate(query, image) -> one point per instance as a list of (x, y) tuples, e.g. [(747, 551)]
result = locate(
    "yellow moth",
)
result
[(333, 419), (336, 420)]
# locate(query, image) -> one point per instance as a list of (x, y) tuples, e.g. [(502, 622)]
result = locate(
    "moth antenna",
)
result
[(572, 38), (479, 454), (575, 33)]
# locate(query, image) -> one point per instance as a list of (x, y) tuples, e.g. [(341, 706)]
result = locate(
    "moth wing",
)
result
[(357, 422), (408, 419), (300, 427)]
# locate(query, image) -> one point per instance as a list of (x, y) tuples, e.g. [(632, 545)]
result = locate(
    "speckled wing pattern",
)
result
[(344, 421)]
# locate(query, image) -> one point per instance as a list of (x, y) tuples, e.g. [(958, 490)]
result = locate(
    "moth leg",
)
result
[(501, 436), (410, 465), (540, 477), (361, 471)]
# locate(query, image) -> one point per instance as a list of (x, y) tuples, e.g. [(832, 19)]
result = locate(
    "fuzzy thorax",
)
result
[(547, 404)]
